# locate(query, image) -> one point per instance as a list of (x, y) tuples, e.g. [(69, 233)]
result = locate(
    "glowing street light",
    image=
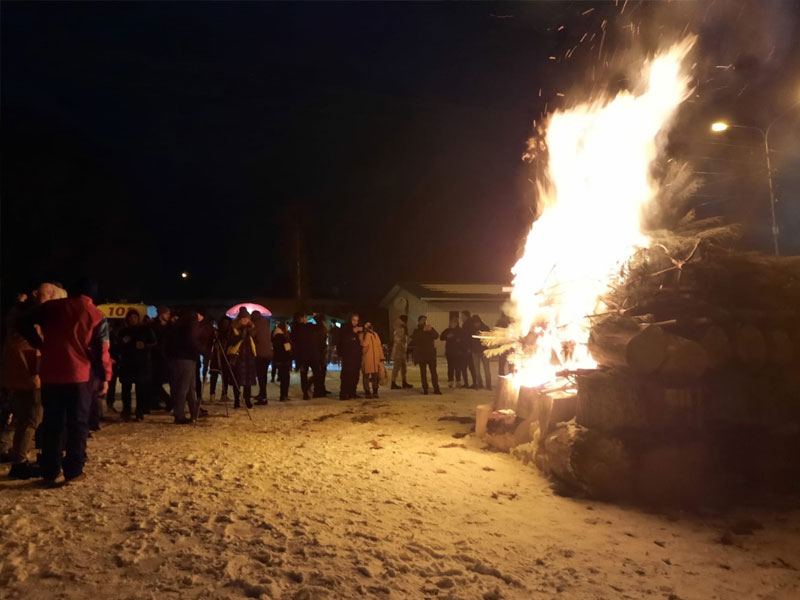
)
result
[(185, 275), (720, 126)]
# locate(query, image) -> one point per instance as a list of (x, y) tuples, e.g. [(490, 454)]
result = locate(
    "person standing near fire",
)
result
[(241, 354), (319, 336), (467, 331), (282, 358), (182, 347), (478, 356), (74, 340), (423, 340), (263, 341), (136, 342), (305, 354), (160, 326), (455, 354), (351, 354), (372, 360), (400, 352)]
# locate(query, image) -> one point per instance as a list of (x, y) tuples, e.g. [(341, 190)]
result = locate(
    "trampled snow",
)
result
[(366, 498)]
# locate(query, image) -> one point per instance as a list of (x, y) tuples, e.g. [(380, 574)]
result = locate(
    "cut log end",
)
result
[(623, 342)]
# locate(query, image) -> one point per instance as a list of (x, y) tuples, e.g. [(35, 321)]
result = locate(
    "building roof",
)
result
[(432, 292)]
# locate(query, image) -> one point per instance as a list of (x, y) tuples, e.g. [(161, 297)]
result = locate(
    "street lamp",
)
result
[(720, 126), (185, 275)]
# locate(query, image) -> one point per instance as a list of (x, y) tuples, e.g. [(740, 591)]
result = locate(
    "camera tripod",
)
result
[(218, 351)]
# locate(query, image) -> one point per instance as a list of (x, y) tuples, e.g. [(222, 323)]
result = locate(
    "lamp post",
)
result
[(720, 126)]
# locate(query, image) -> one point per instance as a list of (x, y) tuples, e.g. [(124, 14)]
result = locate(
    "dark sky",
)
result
[(143, 139)]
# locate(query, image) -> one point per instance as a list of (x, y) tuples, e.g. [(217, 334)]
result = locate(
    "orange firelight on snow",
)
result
[(597, 181)]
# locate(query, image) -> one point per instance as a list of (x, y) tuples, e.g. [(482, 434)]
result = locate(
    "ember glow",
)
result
[(597, 181)]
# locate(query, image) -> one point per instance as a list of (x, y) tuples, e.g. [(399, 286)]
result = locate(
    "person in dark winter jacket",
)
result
[(136, 342), (182, 347), (241, 355), (454, 353), (478, 357), (350, 352), (319, 336), (467, 331), (282, 357), (206, 333), (423, 340), (263, 341), (305, 354), (161, 374)]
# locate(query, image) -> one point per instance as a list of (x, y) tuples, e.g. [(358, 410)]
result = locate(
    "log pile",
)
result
[(691, 303)]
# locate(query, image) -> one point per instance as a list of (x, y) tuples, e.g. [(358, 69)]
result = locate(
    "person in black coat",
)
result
[(241, 354), (350, 353), (423, 340), (454, 352), (136, 342), (467, 331), (320, 340), (282, 358), (161, 326), (263, 339), (182, 346), (305, 354)]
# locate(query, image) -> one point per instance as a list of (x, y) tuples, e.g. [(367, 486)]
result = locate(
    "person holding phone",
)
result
[(282, 358), (423, 340)]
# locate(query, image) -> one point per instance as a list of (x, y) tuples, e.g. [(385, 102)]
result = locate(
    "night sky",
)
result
[(141, 140)]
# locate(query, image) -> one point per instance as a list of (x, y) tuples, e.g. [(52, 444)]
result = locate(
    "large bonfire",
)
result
[(596, 184)]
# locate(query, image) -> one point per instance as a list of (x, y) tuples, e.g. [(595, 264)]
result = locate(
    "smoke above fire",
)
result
[(596, 182)]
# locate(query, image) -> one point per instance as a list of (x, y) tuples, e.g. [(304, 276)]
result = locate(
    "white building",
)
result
[(440, 301)]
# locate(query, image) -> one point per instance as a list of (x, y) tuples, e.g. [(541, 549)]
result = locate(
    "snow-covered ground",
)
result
[(381, 498)]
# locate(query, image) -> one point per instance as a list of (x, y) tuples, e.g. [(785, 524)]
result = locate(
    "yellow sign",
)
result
[(118, 311)]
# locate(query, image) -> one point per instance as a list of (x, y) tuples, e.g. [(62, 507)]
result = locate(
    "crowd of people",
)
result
[(464, 352), (63, 361)]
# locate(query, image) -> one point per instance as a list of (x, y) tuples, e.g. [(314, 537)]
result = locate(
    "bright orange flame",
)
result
[(598, 180)]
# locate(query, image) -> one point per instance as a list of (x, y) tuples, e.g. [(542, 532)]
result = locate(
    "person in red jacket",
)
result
[(74, 341)]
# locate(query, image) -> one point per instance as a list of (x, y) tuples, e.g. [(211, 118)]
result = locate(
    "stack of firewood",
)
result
[(690, 302)]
